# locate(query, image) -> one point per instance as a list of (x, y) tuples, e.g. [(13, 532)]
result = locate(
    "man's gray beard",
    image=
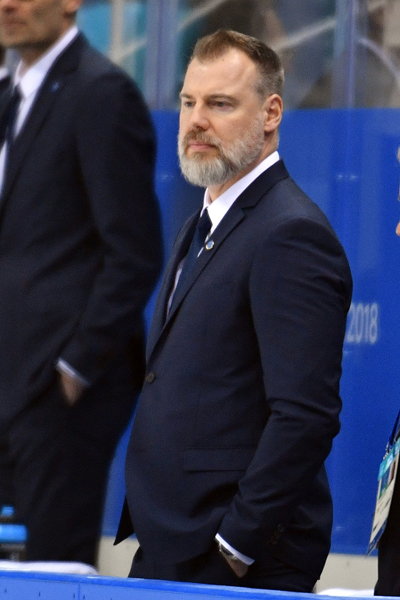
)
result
[(231, 161)]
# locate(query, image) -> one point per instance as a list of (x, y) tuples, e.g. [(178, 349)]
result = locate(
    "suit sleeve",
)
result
[(116, 153), (300, 289)]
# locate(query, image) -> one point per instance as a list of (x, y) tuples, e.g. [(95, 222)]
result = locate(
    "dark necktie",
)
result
[(12, 115), (7, 126), (202, 230)]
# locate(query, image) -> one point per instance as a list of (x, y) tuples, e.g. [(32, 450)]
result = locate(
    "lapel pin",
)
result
[(55, 86), (209, 245)]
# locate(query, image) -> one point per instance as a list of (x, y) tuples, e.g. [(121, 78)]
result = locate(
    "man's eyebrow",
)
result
[(222, 97), (212, 97)]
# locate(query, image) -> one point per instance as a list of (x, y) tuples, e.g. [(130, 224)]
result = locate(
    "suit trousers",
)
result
[(212, 568), (54, 464)]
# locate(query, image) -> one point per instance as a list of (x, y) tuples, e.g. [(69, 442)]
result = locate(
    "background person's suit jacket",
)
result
[(79, 228)]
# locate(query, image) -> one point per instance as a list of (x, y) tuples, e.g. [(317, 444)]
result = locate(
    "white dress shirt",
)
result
[(218, 208)]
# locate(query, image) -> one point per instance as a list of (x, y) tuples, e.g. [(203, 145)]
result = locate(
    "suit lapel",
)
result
[(246, 201), (180, 249), (160, 319), (227, 225), (46, 96)]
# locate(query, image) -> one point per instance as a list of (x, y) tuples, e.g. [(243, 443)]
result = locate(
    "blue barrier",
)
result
[(31, 586)]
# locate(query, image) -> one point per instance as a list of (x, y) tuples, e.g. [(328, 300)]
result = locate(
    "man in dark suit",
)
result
[(80, 253), (225, 468)]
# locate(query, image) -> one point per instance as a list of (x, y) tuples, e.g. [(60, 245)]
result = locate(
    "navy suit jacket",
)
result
[(80, 246), (241, 401)]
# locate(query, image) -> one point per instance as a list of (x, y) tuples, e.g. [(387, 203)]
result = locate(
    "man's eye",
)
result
[(221, 104)]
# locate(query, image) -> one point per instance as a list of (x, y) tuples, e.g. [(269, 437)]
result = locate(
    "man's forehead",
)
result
[(231, 69)]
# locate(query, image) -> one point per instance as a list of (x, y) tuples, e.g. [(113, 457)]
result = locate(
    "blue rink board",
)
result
[(345, 160), (44, 586)]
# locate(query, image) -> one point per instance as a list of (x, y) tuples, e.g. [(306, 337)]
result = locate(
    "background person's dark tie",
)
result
[(7, 130), (12, 115), (202, 230), (7, 126)]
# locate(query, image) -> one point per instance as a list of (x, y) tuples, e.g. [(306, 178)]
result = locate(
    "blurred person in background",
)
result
[(80, 253)]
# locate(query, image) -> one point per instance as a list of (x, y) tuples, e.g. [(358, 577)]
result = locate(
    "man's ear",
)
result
[(71, 7), (273, 111)]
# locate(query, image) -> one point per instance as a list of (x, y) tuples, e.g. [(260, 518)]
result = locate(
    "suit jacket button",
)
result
[(150, 377)]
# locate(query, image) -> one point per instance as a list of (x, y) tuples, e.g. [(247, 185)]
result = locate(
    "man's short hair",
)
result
[(215, 45)]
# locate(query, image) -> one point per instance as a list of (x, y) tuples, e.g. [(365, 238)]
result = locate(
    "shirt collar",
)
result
[(33, 78), (218, 209)]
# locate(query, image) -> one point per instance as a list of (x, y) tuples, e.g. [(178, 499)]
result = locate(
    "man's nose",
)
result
[(199, 118), (7, 5)]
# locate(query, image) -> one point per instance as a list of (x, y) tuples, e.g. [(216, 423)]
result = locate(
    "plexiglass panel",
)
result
[(301, 32), (367, 57), (336, 53), (118, 29)]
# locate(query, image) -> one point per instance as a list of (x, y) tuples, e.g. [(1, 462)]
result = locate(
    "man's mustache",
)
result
[(198, 136)]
